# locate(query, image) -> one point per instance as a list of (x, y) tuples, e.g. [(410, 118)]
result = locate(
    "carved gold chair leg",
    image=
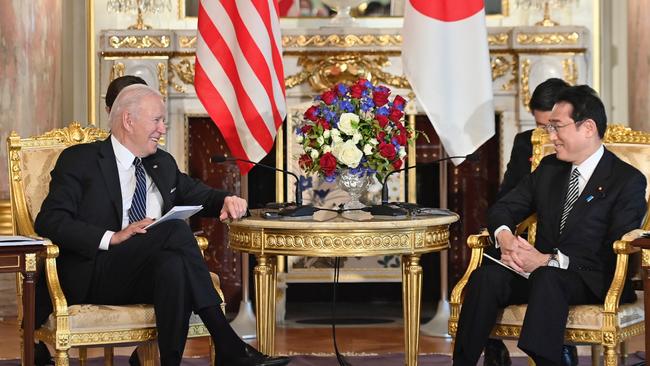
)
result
[(83, 356), (147, 353), (108, 356), (213, 355), (61, 357), (531, 362), (610, 355)]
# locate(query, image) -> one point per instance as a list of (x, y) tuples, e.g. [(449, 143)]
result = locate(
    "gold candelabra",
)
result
[(139, 7), (546, 5)]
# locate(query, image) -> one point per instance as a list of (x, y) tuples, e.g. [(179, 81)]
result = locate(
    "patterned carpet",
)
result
[(391, 359)]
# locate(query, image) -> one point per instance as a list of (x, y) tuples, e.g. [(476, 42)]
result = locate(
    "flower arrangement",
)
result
[(354, 127)]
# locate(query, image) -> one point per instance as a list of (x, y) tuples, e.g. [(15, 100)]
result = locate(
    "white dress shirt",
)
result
[(126, 172), (586, 169)]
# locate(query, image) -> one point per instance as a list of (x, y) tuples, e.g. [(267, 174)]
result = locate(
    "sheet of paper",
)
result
[(522, 274), (11, 240), (177, 213)]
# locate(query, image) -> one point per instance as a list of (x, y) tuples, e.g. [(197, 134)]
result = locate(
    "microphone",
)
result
[(297, 211), (387, 210)]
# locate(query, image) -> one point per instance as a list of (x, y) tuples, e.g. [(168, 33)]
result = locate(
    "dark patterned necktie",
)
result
[(138, 208), (571, 197)]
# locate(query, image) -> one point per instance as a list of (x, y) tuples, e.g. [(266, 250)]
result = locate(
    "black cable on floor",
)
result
[(339, 357)]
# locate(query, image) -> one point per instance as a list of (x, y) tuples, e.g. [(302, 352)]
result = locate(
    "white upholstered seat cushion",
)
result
[(90, 318), (581, 316)]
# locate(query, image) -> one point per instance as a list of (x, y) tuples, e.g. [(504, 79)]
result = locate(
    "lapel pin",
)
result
[(155, 166), (590, 198)]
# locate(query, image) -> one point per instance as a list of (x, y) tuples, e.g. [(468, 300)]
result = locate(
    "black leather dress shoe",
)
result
[(569, 356), (252, 357), (42, 355), (134, 360), (496, 353)]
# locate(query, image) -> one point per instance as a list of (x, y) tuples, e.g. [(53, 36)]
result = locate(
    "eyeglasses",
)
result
[(554, 127)]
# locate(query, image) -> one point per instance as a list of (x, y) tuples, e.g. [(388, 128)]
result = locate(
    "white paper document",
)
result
[(177, 213), (522, 274), (12, 240)]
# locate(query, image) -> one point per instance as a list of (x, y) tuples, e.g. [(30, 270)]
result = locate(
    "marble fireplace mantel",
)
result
[(314, 59)]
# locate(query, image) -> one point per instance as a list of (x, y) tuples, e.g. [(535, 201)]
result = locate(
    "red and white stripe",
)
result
[(238, 73)]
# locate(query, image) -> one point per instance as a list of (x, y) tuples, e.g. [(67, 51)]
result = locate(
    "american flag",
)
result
[(238, 73)]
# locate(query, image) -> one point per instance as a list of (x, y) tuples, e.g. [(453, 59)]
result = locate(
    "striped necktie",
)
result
[(138, 208), (571, 197)]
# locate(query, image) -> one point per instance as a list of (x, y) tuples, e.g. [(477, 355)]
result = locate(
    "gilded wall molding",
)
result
[(323, 72), (342, 41), (548, 39), (117, 70), (132, 41), (161, 72), (181, 73), (187, 42), (502, 65), (570, 71), (498, 39), (525, 86)]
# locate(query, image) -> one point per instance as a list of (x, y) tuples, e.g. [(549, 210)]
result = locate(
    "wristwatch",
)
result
[(553, 259)]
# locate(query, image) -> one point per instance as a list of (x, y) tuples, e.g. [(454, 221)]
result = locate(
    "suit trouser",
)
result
[(548, 291), (163, 267)]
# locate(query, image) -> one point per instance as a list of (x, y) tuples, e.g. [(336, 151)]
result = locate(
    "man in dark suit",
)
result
[(585, 199), (103, 196)]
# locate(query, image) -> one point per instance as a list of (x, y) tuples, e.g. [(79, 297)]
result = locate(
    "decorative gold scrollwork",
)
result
[(72, 134), (525, 87), (187, 41), (546, 39), (646, 257), (184, 70), (30, 262), (343, 41), (322, 72), (501, 65), (117, 70), (162, 78), (500, 39), (570, 71), (139, 42)]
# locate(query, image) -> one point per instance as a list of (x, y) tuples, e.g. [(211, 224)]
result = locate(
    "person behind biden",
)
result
[(104, 194), (585, 198)]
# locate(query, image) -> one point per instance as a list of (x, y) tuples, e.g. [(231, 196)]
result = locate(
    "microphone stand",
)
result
[(438, 326)]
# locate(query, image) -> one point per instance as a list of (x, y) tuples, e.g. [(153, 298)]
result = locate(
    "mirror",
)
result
[(316, 8)]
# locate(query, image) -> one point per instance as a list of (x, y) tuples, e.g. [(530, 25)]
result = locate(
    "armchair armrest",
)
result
[(477, 243), (623, 248)]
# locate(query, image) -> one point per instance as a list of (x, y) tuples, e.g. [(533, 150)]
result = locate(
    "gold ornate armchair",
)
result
[(608, 325), (84, 325)]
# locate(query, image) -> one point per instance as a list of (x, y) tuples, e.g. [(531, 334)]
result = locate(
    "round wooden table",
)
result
[(331, 235)]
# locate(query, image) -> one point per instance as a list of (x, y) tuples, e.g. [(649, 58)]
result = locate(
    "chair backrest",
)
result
[(30, 162)]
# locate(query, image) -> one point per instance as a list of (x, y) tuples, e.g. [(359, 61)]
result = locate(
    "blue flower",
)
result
[(367, 105), (382, 111), (346, 106), (341, 89)]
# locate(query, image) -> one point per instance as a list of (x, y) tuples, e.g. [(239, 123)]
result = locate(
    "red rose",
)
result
[(306, 129), (395, 115), (383, 120), (356, 91), (387, 150), (397, 164), (381, 135), (329, 97), (401, 138), (399, 102), (323, 122), (305, 162), (312, 113), (328, 163), (380, 95)]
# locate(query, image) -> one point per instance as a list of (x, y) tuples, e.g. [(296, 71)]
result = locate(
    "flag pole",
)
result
[(244, 322), (438, 326)]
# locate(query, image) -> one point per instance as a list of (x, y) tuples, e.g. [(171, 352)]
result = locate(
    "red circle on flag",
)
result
[(448, 10)]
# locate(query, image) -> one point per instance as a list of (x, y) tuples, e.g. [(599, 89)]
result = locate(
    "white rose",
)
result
[(326, 149), (320, 140), (336, 136), (348, 123), (402, 152), (307, 149), (348, 153), (367, 149), (356, 137), (299, 138), (374, 142), (326, 134), (314, 154)]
